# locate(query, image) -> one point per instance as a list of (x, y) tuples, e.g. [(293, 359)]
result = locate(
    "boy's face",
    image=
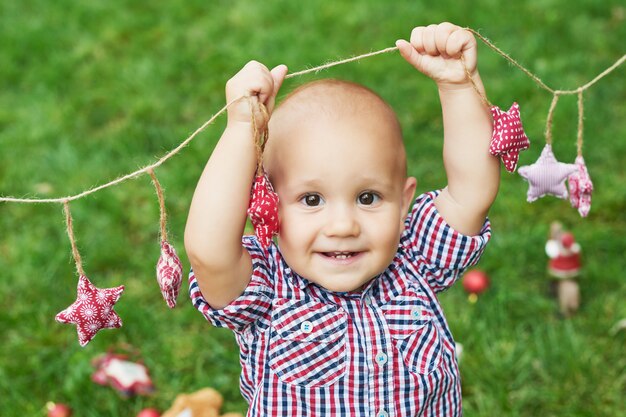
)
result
[(343, 196)]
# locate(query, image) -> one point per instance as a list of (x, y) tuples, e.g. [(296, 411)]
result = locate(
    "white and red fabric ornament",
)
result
[(124, 375), (263, 210), (580, 188), (508, 138), (92, 310), (169, 272), (546, 176)]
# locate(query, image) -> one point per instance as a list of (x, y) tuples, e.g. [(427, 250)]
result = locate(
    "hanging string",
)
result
[(132, 174), (579, 139), (163, 214), (260, 135), (482, 96), (548, 134), (296, 74), (341, 62), (598, 78), (70, 233), (511, 60)]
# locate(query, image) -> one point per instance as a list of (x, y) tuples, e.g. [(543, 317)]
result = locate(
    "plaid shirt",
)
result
[(385, 351)]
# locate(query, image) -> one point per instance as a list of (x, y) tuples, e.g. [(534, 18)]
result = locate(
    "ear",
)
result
[(407, 195)]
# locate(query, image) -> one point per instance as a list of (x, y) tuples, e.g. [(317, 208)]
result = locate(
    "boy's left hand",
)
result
[(436, 51)]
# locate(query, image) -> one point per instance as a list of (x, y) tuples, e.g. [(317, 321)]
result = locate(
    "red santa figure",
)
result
[(564, 265)]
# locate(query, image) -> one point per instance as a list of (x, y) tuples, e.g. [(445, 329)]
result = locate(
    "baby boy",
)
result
[(340, 316)]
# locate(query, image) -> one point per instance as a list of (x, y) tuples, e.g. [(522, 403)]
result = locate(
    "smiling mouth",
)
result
[(340, 255)]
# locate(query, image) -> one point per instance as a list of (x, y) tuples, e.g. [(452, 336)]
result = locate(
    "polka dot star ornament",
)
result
[(580, 188), (508, 138), (92, 310), (263, 210), (546, 176)]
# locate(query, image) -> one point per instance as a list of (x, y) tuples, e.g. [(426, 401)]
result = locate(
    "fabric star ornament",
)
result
[(92, 310), (508, 137), (546, 176), (580, 188), (126, 376), (169, 272), (263, 210)]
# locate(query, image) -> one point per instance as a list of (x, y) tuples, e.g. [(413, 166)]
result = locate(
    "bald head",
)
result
[(330, 104)]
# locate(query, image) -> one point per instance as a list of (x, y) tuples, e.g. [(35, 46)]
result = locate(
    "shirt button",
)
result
[(382, 413), (381, 358), (306, 326), (368, 301), (416, 313)]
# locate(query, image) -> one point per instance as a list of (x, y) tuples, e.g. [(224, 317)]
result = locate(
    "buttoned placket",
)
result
[(377, 356)]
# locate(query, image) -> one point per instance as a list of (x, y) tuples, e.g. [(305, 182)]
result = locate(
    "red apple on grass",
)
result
[(475, 282)]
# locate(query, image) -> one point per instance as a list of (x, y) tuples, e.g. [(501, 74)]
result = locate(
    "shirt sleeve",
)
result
[(255, 301), (441, 253)]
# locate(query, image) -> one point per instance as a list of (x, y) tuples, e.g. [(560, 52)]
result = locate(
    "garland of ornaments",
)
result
[(93, 308), (547, 176)]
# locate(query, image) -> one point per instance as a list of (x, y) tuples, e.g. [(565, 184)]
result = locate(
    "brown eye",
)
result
[(312, 200), (367, 198)]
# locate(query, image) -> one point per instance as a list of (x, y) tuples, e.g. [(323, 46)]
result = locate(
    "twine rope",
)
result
[(260, 134), (548, 134), (70, 232), (161, 197), (184, 143), (579, 139), (482, 96)]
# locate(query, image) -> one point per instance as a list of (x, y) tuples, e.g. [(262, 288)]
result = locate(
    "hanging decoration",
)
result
[(546, 176), (579, 183), (169, 270), (263, 207), (93, 308), (508, 138)]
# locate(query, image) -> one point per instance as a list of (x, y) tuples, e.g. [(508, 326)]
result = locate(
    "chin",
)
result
[(343, 286)]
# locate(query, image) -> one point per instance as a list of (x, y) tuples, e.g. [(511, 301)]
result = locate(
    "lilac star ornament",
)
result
[(92, 310), (508, 138), (546, 176), (580, 188)]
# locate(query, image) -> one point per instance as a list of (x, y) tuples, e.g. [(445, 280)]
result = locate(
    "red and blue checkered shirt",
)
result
[(385, 351)]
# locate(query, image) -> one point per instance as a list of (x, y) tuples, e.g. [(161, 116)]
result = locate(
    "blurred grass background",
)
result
[(90, 91)]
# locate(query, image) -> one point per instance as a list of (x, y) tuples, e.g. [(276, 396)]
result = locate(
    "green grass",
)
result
[(90, 91)]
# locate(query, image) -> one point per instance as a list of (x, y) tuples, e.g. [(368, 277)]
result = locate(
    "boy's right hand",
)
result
[(256, 81)]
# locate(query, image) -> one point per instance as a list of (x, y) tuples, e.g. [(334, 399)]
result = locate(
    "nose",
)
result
[(342, 222)]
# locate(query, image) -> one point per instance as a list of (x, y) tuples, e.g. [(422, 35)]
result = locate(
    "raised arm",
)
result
[(217, 215), (447, 53)]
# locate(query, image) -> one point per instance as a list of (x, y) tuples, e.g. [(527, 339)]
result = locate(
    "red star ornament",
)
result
[(546, 176), (169, 272), (580, 188), (92, 310), (508, 137), (263, 210)]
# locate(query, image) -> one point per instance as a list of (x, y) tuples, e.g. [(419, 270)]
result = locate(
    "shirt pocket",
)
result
[(412, 326), (307, 342)]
